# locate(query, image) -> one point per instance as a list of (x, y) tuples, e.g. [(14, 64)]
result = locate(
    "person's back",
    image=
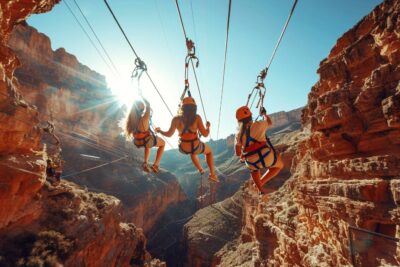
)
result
[(253, 146), (138, 127), (189, 125)]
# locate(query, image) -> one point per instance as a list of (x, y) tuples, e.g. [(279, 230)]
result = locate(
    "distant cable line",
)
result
[(224, 70), (97, 38), (87, 35)]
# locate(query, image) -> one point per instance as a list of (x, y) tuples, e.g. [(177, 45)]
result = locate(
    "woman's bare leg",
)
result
[(272, 171), (210, 159), (146, 154), (196, 162), (256, 175), (160, 151)]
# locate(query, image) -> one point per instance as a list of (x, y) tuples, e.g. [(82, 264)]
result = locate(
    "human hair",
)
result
[(187, 113), (243, 125), (133, 118)]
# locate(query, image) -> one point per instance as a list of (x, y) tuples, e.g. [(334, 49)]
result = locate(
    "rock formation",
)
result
[(345, 178), (44, 223), (85, 114)]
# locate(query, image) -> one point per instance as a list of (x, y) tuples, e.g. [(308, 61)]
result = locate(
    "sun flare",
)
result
[(125, 90)]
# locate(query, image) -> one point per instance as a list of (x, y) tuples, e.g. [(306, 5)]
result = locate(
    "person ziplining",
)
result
[(252, 144), (138, 123), (138, 127), (188, 123)]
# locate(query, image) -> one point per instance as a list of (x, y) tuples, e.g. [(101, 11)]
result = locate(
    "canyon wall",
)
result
[(44, 223), (85, 115), (341, 205)]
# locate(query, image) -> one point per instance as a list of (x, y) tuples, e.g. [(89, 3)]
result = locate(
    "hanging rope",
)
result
[(224, 69), (191, 56), (137, 56), (97, 38)]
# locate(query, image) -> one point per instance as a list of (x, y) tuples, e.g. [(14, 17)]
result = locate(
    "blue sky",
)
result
[(154, 29)]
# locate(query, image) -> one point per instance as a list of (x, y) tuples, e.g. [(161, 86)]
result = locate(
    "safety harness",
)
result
[(141, 139), (191, 137), (253, 147)]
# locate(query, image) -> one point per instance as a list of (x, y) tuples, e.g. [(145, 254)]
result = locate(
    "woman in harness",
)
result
[(189, 124), (138, 127), (254, 147)]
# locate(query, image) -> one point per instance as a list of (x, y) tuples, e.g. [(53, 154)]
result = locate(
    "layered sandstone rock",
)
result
[(86, 116), (22, 154), (74, 227), (42, 224), (345, 178)]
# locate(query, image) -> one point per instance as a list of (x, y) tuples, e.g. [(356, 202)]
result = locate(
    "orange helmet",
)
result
[(242, 113), (188, 101)]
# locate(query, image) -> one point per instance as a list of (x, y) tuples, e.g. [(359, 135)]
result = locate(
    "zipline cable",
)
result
[(136, 54), (260, 86), (180, 17), (193, 67), (87, 35), (198, 87), (224, 69), (281, 36), (120, 27), (97, 38)]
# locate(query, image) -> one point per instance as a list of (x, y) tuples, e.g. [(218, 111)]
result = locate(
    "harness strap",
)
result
[(256, 148), (145, 138), (273, 150)]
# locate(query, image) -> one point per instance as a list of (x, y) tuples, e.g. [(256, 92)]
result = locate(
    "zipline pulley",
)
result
[(190, 58), (140, 67), (258, 90)]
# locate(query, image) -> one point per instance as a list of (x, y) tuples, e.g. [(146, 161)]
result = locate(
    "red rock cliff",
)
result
[(86, 115), (346, 171), (41, 224)]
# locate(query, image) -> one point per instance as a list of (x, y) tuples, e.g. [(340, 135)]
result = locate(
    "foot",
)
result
[(155, 168), (145, 167), (213, 178)]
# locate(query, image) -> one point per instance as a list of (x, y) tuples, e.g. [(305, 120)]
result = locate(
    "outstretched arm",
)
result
[(205, 131), (171, 130), (266, 117)]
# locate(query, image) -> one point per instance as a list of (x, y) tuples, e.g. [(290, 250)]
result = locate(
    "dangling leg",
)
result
[(272, 171), (196, 163), (160, 150), (146, 159), (210, 162), (256, 175)]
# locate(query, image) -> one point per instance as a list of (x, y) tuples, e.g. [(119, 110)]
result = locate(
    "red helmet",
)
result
[(243, 113), (188, 101)]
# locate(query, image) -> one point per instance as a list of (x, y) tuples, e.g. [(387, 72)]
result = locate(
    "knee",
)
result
[(162, 142)]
